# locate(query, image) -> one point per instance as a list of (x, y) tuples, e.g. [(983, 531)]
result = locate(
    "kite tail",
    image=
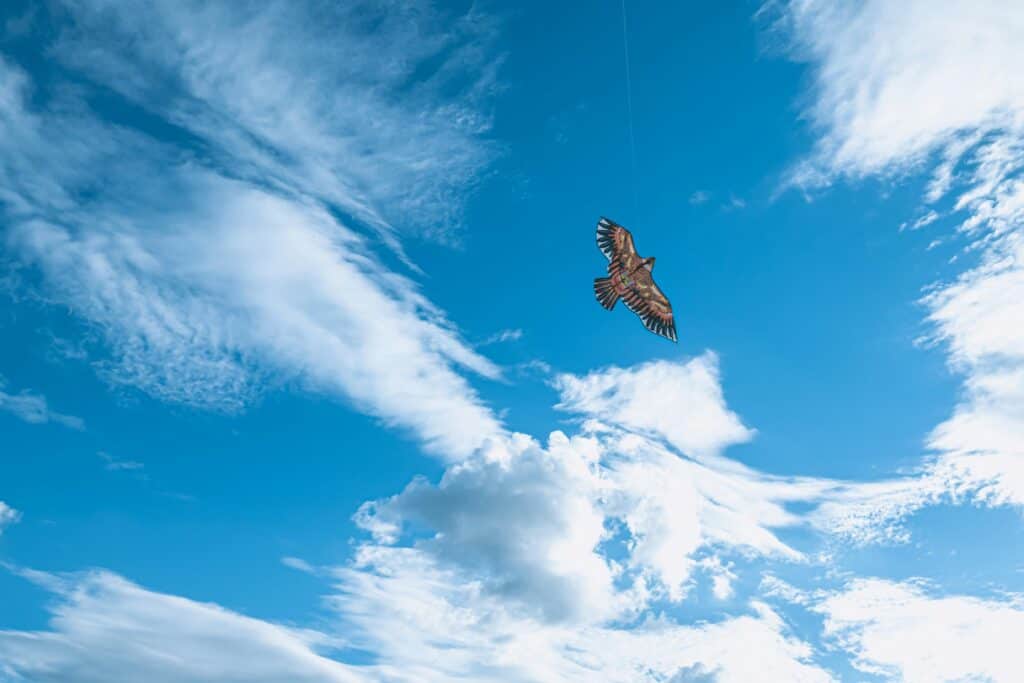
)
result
[(605, 292)]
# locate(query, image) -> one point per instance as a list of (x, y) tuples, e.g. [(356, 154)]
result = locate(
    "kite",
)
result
[(629, 278)]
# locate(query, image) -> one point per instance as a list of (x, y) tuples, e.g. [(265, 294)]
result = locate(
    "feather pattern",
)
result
[(629, 278)]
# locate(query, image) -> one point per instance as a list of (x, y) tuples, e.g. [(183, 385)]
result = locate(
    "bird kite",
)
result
[(629, 278)]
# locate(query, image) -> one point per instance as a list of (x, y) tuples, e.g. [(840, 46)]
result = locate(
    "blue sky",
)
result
[(302, 377)]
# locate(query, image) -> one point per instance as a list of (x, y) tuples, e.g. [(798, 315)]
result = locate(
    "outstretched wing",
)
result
[(651, 305), (616, 243)]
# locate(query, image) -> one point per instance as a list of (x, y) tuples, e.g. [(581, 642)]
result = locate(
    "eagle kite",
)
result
[(629, 278)]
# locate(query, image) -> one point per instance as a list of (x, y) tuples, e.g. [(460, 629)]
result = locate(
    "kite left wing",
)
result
[(629, 278), (652, 306)]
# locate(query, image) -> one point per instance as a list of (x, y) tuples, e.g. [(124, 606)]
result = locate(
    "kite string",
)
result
[(629, 105)]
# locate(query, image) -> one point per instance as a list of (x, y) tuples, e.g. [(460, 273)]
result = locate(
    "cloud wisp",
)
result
[(105, 629), (34, 409), (422, 624), (8, 516), (901, 87), (212, 255), (911, 631)]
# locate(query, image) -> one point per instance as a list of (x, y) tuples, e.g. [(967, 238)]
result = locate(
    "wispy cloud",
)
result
[(424, 625), (116, 465), (896, 82), (213, 262), (503, 336), (925, 220), (105, 628), (946, 96), (700, 197), (34, 409), (375, 108), (955, 637), (298, 564), (8, 516), (735, 203)]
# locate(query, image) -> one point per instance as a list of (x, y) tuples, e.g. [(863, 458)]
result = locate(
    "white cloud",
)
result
[(606, 523), (423, 624), (899, 631), (530, 563), (722, 576), (105, 629), (207, 288), (503, 336), (117, 465), (428, 623), (375, 108), (298, 564), (898, 85), (700, 197), (925, 220), (735, 203), (8, 516), (680, 402), (525, 519), (897, 81), (34, 409)]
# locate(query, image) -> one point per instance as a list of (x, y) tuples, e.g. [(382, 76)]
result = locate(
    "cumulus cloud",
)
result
[(525, 518), (536, 523), (429, 623), (606, 523), (679, 402), (216, 261), (34, 409)]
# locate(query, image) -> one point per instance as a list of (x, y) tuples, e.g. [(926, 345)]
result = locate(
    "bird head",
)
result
[(649, 263)]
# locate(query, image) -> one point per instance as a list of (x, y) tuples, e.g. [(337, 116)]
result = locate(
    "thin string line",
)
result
[(629, 105)]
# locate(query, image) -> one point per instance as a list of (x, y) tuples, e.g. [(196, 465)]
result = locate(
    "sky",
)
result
[(302, 378)]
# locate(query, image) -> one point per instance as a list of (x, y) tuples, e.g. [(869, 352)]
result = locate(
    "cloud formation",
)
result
[(679, 402), (423, 625), (897, 82), (908, 630), (8, 516), (899, 629), (906, 86), (604, 524), (214, 258), (436, 624), (105, 629), (34, 409), (377, 109)]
